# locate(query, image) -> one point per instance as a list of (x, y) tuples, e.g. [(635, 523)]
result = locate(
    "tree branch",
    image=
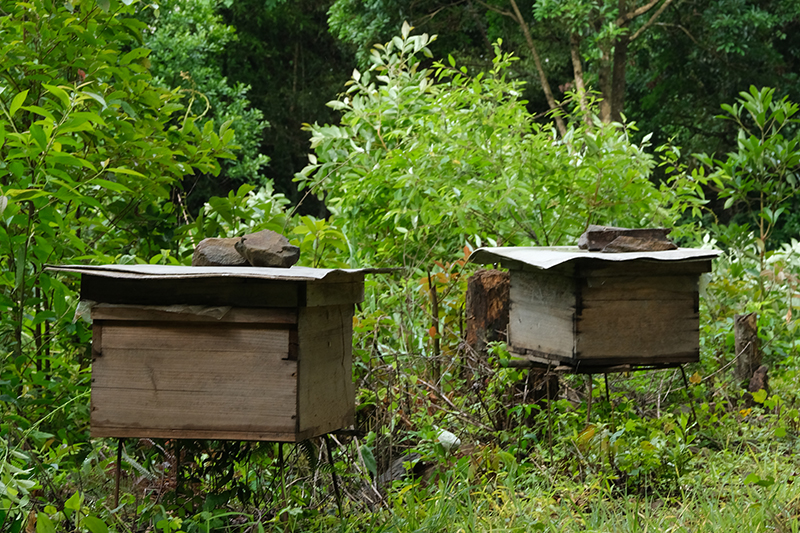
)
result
[(551, 101), (630, 15), (496, 9), (684, 30), (651, 21)]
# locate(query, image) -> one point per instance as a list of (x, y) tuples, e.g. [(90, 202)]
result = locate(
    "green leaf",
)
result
[(59, 93), (3, 204), (369, 460), (94, 524), (760, 396), (105, 5), (137, 53), (74, 502), (44, 524), (17, 102), (751, 478), (127, 171), (110, 185), (38, 134), (100, 99), (40, 111), (21, 195)]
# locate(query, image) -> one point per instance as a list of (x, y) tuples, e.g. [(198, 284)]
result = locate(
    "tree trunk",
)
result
[(748, 356), (604, 80), (487, 309), (618, 81), (548, 93), (577, 67)]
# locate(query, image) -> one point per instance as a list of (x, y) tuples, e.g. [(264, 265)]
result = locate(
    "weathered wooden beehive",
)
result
[(598, 312), (238, 353)]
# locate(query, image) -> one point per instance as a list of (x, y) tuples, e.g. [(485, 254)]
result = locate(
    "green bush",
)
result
[(426, 160)]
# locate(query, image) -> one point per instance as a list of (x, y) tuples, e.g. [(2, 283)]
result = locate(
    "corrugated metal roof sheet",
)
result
[(294, 273), (549, 257)]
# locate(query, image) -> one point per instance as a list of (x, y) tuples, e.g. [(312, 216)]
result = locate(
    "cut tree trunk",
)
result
[(487, 309), (748, 356)]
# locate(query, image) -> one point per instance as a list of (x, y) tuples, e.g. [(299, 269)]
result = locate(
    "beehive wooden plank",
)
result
[(280, 317), (323, 293), (194, 381), (191, 338), (638, 331), (599, 288), (642, 267), (325, 390), (542, 313), (547, 330)]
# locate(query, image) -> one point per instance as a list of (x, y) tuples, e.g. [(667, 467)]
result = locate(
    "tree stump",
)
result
[(487, 309), (748, 356)]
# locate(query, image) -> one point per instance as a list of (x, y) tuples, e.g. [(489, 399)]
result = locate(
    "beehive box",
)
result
[(237, 353), (598, 312)]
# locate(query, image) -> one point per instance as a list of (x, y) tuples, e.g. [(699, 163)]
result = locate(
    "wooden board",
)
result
[(193, 381), (324, 293), (604, 288), (325, 390), (542, 314), (637, 331), (642, 267), (277, 317)]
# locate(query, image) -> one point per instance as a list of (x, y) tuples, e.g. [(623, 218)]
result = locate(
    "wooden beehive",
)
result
[(598, 312), (236, 353)]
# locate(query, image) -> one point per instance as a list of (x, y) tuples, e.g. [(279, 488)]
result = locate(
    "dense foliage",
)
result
[(188, 40), (428, 160), (101, 140)]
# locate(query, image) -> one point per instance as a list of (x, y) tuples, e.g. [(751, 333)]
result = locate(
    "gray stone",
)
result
[(218, 252), (268, 249)]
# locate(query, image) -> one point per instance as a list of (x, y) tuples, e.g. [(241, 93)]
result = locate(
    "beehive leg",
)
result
[(117, 472), (688, 396), (589, 401), (282, 473), (333, 475), (608, 399)]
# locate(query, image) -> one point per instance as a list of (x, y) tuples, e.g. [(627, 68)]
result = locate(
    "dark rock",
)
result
[(401, 468), (218, 252), (760, 380), (268, 249)]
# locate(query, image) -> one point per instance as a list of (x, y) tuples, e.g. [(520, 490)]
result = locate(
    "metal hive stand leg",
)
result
[(333, 475), (689, 396), (118, 472)]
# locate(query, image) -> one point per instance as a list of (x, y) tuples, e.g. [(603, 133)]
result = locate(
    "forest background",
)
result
[(129, 131)]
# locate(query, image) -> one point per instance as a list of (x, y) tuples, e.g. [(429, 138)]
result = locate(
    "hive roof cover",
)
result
[(549, 257), (294, 273)]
